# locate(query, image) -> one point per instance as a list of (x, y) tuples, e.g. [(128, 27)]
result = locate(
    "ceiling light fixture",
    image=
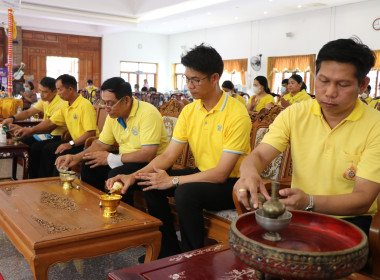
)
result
[(236, 18), (265, 12), (299, 6), (209, 14), (179, 8)]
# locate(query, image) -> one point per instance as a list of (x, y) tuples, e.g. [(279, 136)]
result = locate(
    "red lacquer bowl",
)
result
[(314, 246)]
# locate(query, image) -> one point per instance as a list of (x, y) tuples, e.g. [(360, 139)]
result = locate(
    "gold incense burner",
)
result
[(109, 202), (67, 177), (16, 140)]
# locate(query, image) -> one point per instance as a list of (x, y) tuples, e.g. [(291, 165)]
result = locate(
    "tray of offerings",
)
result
[(312, 246)]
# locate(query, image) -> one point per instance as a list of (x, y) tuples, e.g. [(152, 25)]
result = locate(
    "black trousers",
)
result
[(47, 159), (190, 200), (362, 222), (97, 176), (35, 151)]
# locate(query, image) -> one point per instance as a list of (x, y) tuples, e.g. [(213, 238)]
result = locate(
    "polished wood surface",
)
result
[(215, 262), (15, 152), (48, 224)]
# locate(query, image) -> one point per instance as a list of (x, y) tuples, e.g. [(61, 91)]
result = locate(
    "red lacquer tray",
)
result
[(314, 246)]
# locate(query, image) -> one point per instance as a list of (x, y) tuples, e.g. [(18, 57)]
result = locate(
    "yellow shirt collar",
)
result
[(219, 106), (353, 116), (76, 101), (135, 107)]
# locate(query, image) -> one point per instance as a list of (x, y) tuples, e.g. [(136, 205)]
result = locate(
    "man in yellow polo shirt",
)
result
[(77, 114), (49, 103), (217, 129), (91, 89), (136, 126), (335, 142)]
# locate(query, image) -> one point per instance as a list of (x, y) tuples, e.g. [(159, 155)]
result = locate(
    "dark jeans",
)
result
[(35, 151), (97, 176), (47, 159), (190, 200)]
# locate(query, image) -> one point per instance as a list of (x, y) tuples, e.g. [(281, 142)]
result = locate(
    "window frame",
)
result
[(139, 79)]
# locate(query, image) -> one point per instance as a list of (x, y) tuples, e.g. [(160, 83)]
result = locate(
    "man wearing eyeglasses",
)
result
[(136, 126), (217, 128), (77, 114)]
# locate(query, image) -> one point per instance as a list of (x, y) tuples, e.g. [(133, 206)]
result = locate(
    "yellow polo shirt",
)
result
[(144, 127), (79, 118), (225, 128), (262, 102), (300, 96), (241, 99), (325, 160), (49, 108), (92, 92), (368, 99), (373, 104)]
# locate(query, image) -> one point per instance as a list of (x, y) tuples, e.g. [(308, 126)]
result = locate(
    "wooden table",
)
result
[(215, 262), (48, 224), (10, 150)]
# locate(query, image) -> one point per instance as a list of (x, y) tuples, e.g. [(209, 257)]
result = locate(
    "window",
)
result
[(137, 72), (286, 75), (57, 66), (234, 77), (282, 67), (179, 70)]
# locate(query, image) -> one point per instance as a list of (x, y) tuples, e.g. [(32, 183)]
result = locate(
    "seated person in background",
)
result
[(136, 126), (284, 90), (49, 103), (91, 89), (261, 97), (365, 96), (218, 131), (144, 93), (28, 96), (334, 140), (77, 114), (297, 91), (229, 88), (137, 92)]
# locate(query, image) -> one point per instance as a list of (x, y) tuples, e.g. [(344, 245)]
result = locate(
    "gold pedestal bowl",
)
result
[(109, 203), (67, 177), (16, 140)]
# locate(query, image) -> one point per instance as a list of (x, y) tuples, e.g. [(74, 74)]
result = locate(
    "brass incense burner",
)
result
[(16, 140), (67, 177), (273, 216), (110, 202)]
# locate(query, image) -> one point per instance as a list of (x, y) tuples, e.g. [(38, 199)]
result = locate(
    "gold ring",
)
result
[(243, 190)]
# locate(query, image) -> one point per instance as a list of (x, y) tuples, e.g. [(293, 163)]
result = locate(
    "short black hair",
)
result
[(48, 82), (90, 82), (229, 85), (285, 81), (117, 86), (153, 89), (369, 88), (351, 51), (30, 83), (144, 89), (68, 81), (264, 82), (298, 79), (204, 59)]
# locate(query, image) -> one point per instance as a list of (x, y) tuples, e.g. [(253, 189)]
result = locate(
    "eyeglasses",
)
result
[(108, 104), (194, 82)]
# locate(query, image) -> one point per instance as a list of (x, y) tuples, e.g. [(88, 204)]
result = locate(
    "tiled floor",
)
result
[(13, 266)]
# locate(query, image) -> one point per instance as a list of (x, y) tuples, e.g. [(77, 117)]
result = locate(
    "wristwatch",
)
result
[(310, 207), (72, 143), (175, 181)]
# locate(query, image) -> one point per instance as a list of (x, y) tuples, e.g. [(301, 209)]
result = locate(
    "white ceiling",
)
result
[(98, 17)]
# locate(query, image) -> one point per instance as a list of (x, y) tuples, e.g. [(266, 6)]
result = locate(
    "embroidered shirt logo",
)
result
[(219, 128), (134, 130), (75, 116), (350, 173)]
